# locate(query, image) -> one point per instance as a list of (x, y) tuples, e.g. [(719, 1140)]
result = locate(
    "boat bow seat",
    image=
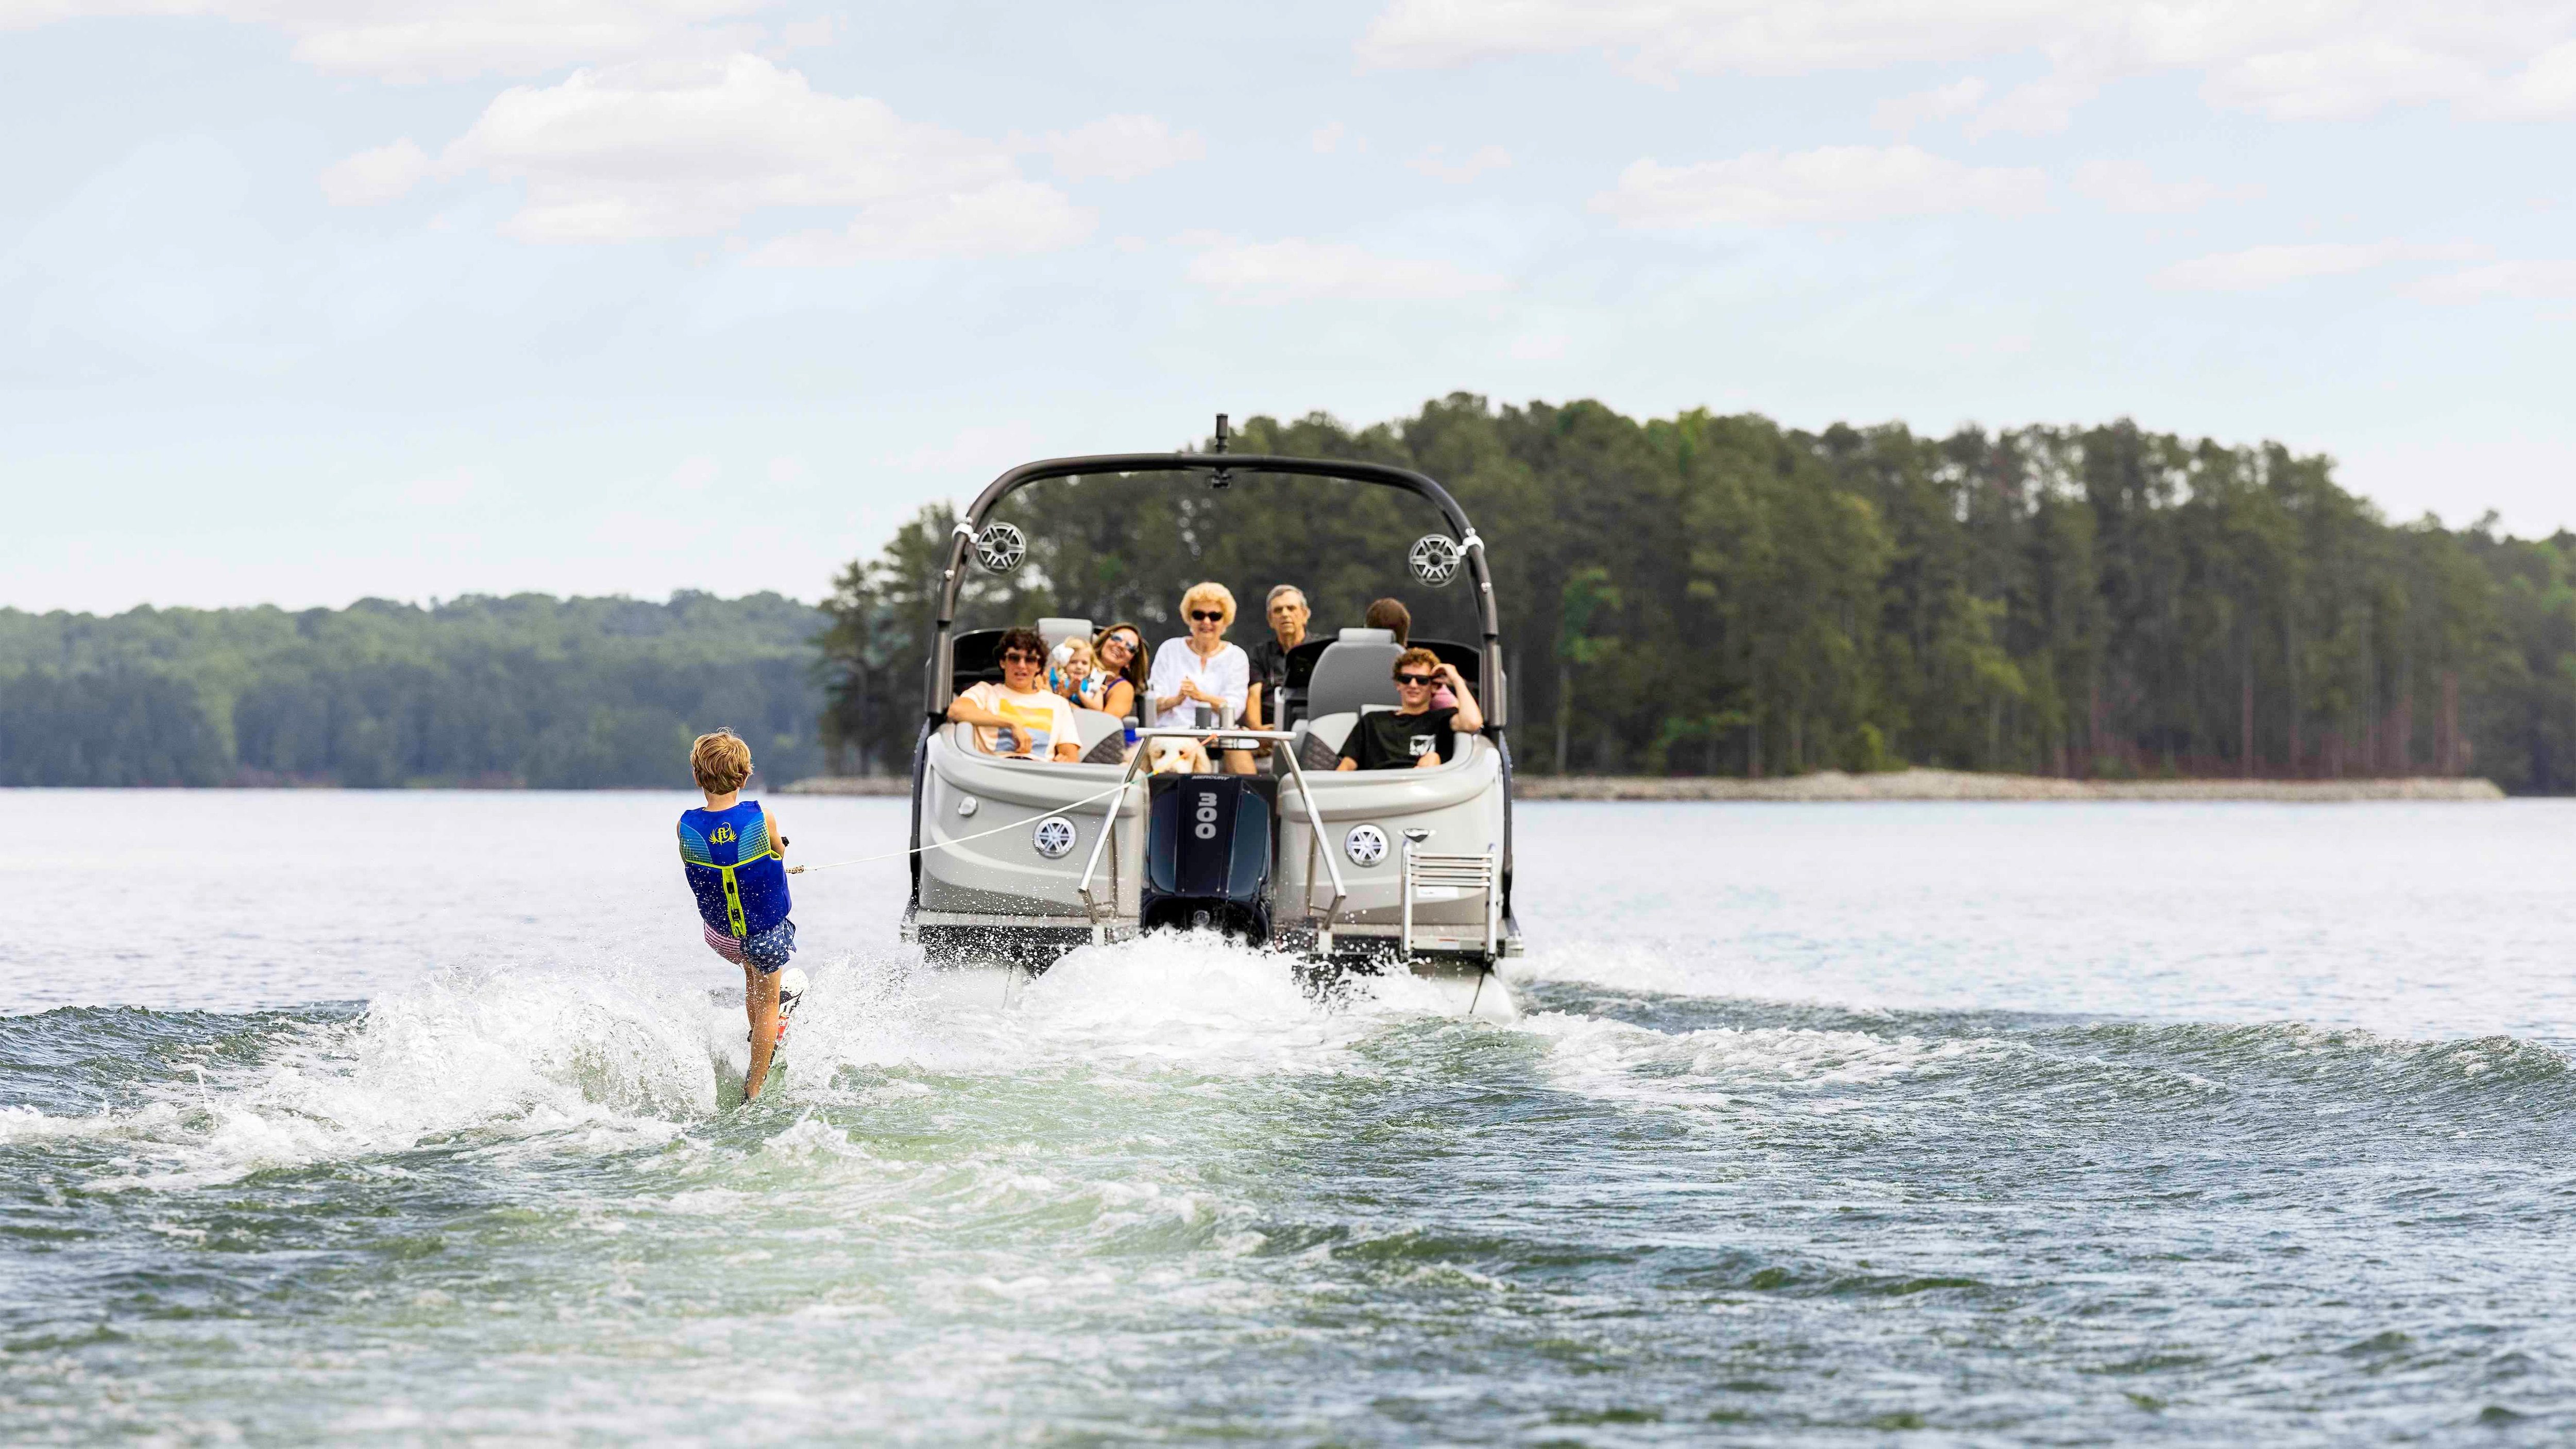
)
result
[(1319, 741), (1103, 737)]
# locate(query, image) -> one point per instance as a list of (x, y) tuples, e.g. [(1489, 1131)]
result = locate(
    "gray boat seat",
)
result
[(1353, 672), (1056, 631), (1097, 726), (1319, 741), (1093, 726)]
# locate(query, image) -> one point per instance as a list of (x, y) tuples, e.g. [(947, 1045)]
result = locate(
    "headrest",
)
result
[(1056, 631), (1349, 675), (1367, 636)]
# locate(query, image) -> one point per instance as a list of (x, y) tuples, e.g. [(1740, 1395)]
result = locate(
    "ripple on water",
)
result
[(1161, 1193)]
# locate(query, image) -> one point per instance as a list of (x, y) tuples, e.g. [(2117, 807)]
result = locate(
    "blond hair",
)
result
[(721, 761), (1223, 596), (1073, 649)]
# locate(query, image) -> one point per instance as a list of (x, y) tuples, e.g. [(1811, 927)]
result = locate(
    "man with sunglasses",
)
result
[(1019, 717), (1414, 735)]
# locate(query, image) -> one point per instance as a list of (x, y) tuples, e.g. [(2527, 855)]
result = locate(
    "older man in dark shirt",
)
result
[(1287, 610)]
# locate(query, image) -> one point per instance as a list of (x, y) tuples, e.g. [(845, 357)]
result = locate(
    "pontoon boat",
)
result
[(1020, 861)]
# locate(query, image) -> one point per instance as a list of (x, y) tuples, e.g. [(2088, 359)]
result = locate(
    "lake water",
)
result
[(391, 1118)]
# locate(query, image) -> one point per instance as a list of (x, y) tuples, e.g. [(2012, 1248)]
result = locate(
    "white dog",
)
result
[(1177, 755)]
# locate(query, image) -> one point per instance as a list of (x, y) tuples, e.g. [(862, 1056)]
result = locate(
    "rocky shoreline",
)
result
[(1834, 786)]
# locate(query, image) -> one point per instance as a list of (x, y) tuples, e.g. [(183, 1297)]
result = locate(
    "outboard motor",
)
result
[(1208, 844)]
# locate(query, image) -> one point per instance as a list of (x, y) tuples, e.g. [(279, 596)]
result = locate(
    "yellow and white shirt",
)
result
[(1039, 720)]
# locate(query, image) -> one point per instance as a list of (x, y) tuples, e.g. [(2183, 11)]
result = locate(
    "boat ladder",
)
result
[(1430, 879)]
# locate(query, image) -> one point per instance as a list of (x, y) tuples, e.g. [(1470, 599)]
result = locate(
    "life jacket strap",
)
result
[(733, 892)]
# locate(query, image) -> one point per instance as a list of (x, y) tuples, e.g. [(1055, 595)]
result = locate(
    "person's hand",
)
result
[(1426, 760), (1450, 673)]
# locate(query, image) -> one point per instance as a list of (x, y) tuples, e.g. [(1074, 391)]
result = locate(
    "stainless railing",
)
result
[(1314, 822)]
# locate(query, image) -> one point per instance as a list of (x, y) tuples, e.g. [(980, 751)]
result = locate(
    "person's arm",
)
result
[(966, 709), (777, 836), (1066, 731), (1350, 751), (1169, 680), (1252, 708), (1470, 720), (1118, 703), (1346, 763)]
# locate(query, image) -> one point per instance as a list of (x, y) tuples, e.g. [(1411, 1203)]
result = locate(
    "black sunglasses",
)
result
[(1023, 656), (1419, 681), (1217, 614)]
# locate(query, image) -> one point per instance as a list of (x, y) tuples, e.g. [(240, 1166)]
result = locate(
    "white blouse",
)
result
[(1227, 675)]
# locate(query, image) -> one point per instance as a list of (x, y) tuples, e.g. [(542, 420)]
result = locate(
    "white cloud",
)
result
[(1828, 184), (2261, 268), (2042, 107), (1902, 114), (1297, 270), (1434, 162), (2130, 188), (1327, 138), (2528, 281), (1005, 219), (679, 148), (1121, 148), (2320, 59), (2545, 90), (418, 40), (378, 175)]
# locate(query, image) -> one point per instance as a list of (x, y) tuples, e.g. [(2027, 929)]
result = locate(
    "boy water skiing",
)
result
[(734, 858)]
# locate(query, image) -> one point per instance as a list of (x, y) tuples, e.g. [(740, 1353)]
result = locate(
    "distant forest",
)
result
[(1697, 594), (521, 691), (1722, 595)]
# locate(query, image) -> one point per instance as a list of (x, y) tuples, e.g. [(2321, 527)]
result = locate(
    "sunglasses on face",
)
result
[(1212, 616), (1018, 656), (1418, 681)]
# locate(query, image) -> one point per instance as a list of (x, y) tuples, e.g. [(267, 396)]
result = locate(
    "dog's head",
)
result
[(1172, 756)]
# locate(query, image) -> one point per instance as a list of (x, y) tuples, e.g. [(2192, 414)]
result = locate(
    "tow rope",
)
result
[(1118, 788)]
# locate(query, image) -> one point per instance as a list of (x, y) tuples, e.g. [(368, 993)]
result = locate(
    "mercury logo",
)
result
[(1206, 828)]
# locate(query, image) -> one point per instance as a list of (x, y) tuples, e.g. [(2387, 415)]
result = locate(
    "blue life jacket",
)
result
[(733, 869)]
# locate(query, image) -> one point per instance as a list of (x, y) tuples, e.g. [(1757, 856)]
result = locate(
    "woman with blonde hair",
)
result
[(1121, 652), (1201, 674)]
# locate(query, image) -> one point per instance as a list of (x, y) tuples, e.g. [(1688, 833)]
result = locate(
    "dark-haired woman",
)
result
[(1120, 649)]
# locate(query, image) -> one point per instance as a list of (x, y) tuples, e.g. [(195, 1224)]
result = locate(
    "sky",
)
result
[(302, 302)]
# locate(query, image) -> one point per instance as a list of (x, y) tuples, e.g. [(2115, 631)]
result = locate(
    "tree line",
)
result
[(1722, 595), (527, 690), (1696, 594)]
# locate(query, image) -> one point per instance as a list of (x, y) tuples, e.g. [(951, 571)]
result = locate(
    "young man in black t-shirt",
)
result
[(1413, 735)]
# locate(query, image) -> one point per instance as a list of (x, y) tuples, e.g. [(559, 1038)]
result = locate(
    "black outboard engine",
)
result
[(1208, 844)]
